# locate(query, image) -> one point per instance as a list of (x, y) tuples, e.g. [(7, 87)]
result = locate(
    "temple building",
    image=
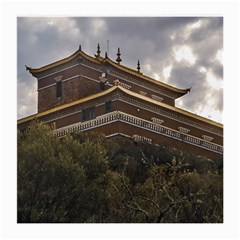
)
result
[(85, 93)]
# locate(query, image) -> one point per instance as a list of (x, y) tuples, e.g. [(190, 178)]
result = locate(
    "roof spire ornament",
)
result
[(106, 55), (80, 48), (118, 58), (27, 68), (138, 66), (98, 50), (189, 89)]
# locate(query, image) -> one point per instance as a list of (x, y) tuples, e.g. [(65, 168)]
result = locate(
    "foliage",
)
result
[(88, 178)]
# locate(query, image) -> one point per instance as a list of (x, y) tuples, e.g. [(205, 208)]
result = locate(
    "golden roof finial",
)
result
[(98, 50), (27, 68), (118, 58), (138, 66), (116, 82)]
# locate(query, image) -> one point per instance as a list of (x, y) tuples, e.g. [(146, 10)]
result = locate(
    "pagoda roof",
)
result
[(100, 60), (131, 93)]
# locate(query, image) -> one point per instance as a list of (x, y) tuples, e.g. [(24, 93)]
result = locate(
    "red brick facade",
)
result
[(79, 94)]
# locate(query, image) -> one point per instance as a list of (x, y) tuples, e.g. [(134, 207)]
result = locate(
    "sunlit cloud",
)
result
[(172, 36), (179, 103), (219, 56), (167, 72), (190, 28), (209, 112), (202, 70), (156, 76), (99, 26), (213, 81), (147, 67), (185, 53), (195, 25), (27, 96)]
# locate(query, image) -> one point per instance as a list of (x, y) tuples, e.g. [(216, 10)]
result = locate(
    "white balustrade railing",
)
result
[(138, 122)]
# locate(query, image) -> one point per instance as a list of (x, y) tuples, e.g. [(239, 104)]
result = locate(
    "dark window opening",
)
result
[(88, 113), (103, 80), (59, 89), (102, 85), (108, 106)]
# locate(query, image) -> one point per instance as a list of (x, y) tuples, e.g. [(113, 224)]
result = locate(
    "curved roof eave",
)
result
[(175, 109), (101, 60), (62, 61), (55, 109), (164, 105), (181, 92)]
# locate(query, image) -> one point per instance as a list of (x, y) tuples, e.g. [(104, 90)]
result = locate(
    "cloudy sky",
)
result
[(181, 51)]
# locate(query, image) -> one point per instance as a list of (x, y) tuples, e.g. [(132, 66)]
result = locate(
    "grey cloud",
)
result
[(217, 69), (206, 41), (184, 76), (144, 38), (210, 27), (218, 96)]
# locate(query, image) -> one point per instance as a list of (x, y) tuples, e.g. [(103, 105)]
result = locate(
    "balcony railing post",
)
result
[(152, 126)]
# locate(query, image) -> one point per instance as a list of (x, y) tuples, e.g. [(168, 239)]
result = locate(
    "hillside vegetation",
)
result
[(90, 179)]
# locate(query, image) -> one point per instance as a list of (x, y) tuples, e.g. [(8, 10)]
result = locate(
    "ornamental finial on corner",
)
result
[(189, 89), (116, 82), (27, 68)]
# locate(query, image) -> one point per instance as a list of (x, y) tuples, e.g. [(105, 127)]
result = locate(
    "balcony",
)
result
[(118, 116)]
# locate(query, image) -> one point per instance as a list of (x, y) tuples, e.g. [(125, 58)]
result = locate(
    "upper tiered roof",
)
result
[(103, 60)]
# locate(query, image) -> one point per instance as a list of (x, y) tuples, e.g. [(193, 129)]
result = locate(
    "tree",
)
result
[(88, 178), (58, 178), (171, 194)]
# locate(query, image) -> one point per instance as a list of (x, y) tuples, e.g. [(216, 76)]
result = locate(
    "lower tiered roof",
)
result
[(130, 93)]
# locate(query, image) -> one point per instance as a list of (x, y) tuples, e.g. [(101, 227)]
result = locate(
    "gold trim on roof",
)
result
[(65, 60), (140, 75), (99, 60), (175, 109), (139, 96), (67, 105)]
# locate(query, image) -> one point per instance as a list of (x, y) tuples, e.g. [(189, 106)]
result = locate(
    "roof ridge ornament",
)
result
[(118, 60), (116, 82), (106, 55), (98, 51), (138, 66), (80, 47), (189, 89), (27, 68)]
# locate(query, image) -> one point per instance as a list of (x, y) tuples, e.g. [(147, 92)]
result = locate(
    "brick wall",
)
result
[(171, 123), (73, 88), (137, 89), (78, 82), (129, 130)]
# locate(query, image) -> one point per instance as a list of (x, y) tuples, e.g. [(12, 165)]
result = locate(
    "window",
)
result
[(102, 85), (88, 113), (59, 89), (103, 80), (157, 98), (108, 106), (143, 93)]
